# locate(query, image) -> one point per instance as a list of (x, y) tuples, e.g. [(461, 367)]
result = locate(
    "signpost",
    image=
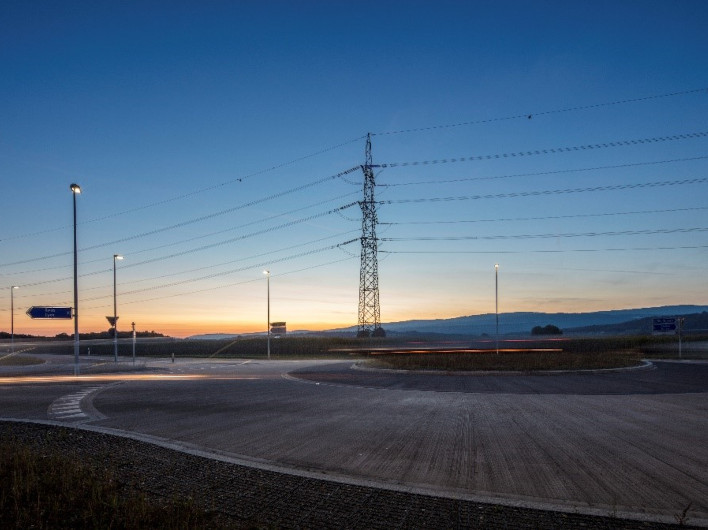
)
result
[(277, 328), (664, 326), (50, 312)]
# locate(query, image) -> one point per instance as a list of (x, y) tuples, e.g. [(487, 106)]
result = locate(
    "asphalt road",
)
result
[(632, 442)]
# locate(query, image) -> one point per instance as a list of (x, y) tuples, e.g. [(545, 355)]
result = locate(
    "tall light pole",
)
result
[(115, 310), (133, 324), (496, 300), (12, 318), (76, 189), (267, 273)]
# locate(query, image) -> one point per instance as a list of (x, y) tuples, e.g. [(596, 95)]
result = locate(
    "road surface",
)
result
[(631, 443)]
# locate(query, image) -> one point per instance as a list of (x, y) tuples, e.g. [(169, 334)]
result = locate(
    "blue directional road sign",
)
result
[(49, 312)]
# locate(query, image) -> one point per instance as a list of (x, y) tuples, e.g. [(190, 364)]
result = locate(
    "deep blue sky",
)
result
[(145, 102)]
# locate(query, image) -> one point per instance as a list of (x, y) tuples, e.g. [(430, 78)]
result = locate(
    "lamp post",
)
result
[(12, 318), (680, 330), (267, 273), (133, 324), (75, 189), (115, 310), (496, 301)]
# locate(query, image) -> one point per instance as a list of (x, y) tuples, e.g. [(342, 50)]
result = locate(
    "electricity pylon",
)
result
[(369, 311)]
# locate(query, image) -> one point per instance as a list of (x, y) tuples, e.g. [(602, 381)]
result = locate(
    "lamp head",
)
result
[(117, 256), (75, 188)]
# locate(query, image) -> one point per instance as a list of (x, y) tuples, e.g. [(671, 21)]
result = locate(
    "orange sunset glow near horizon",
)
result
[(211, 143)]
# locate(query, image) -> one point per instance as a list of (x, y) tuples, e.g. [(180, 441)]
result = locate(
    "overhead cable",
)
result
[(539, 173), (591, 189), (545, 251), (231, 271), (242, 237), (555, 150), (546, 217), (194, 220), (191, 193), (529, 115), (552, 236), (224, 286)]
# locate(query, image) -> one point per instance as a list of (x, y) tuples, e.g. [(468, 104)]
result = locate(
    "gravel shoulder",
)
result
[(246, 497)]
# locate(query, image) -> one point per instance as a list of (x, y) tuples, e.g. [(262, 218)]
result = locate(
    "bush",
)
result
[(550, 329)]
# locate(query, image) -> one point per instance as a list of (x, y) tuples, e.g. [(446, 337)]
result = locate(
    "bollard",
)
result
[(173, 356), (89, 352)]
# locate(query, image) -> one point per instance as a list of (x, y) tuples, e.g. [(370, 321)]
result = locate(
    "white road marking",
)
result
[(68, 408)]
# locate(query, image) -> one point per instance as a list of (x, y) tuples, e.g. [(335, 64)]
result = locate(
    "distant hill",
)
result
[(215, 336), (523, 322), (623, 320), (693, 322)]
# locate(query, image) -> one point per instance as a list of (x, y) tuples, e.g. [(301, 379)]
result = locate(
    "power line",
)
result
[(249, 267), (529, 115), (555, 150), (192, 193), (231, 271), (182, 241), (241, 237), (213, 245), (211, 266), (552, 235), (592, 189), (548, 217), (245, 258), (616, 271), (541, 173), (55, 280), (231, 229), (545, 251), (192, 221), (312, 267)]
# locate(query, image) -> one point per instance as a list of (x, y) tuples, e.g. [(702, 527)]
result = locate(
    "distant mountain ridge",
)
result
[(523, 322), (513, 323)]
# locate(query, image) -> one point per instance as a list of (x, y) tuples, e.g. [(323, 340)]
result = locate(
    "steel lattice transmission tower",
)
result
[(369, 312)]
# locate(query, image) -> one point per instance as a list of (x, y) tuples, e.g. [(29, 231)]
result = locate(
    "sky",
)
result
[(565, 141)]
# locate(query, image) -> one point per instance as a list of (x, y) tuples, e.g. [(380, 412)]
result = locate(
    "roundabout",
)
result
[(647, 378), (632, 443)]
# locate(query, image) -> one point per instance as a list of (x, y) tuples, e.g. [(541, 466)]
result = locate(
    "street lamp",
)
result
[(133, 324), (12, 318), (115, 311), (75, 190), (496, 300), (267, 273)]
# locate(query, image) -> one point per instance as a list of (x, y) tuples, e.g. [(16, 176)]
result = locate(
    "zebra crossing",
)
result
[(68, 407)]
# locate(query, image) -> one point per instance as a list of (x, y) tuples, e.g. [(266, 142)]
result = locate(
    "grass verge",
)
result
[(48, 489), (18, 360), (516, 361)]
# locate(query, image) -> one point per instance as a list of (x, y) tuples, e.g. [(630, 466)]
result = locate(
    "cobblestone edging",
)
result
[(255, 498)]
